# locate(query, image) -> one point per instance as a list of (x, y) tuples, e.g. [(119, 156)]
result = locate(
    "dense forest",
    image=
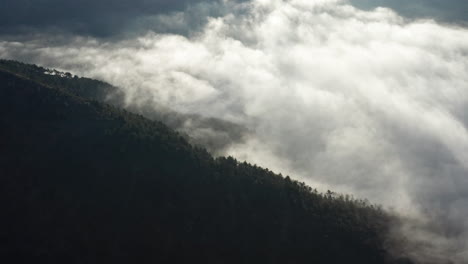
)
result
[(211, 133), (82, 181)]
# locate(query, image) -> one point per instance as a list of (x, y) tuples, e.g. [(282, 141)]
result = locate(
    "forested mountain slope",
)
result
[(85, 182), (211, 133)]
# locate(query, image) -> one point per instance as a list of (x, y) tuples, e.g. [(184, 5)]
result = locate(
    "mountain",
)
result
[(213, 134), (82, 181)]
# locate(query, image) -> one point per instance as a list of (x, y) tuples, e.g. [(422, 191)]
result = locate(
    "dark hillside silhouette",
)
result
[(220, 134), (85, 182)]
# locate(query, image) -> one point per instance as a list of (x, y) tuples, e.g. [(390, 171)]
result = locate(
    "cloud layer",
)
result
[(362, 102), (452, 11)]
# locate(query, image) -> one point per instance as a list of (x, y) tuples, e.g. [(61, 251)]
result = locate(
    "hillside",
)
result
[(211, 133), (85, 182)]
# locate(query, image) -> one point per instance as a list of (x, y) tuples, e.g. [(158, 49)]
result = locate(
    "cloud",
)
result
[(452, 11), (104, 18), (362, 102)]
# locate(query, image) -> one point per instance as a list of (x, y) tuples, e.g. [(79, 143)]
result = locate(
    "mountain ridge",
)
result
[(211, 133), (98, 183)]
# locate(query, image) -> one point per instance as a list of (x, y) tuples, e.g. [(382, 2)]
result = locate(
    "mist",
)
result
[(361, 102)]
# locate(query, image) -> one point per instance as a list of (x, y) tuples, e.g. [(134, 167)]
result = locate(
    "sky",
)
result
[(370, 100), (448, 11), (112, 18)]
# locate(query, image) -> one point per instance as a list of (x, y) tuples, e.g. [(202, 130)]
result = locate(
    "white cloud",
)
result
[(360, 102)]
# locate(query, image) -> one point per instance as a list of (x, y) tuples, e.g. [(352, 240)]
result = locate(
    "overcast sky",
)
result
[(100, 18), (372, 102), (107, 18), (451, 11)]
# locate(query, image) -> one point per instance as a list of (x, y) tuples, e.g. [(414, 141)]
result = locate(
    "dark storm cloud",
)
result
[(100, 18), (452, 11)]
